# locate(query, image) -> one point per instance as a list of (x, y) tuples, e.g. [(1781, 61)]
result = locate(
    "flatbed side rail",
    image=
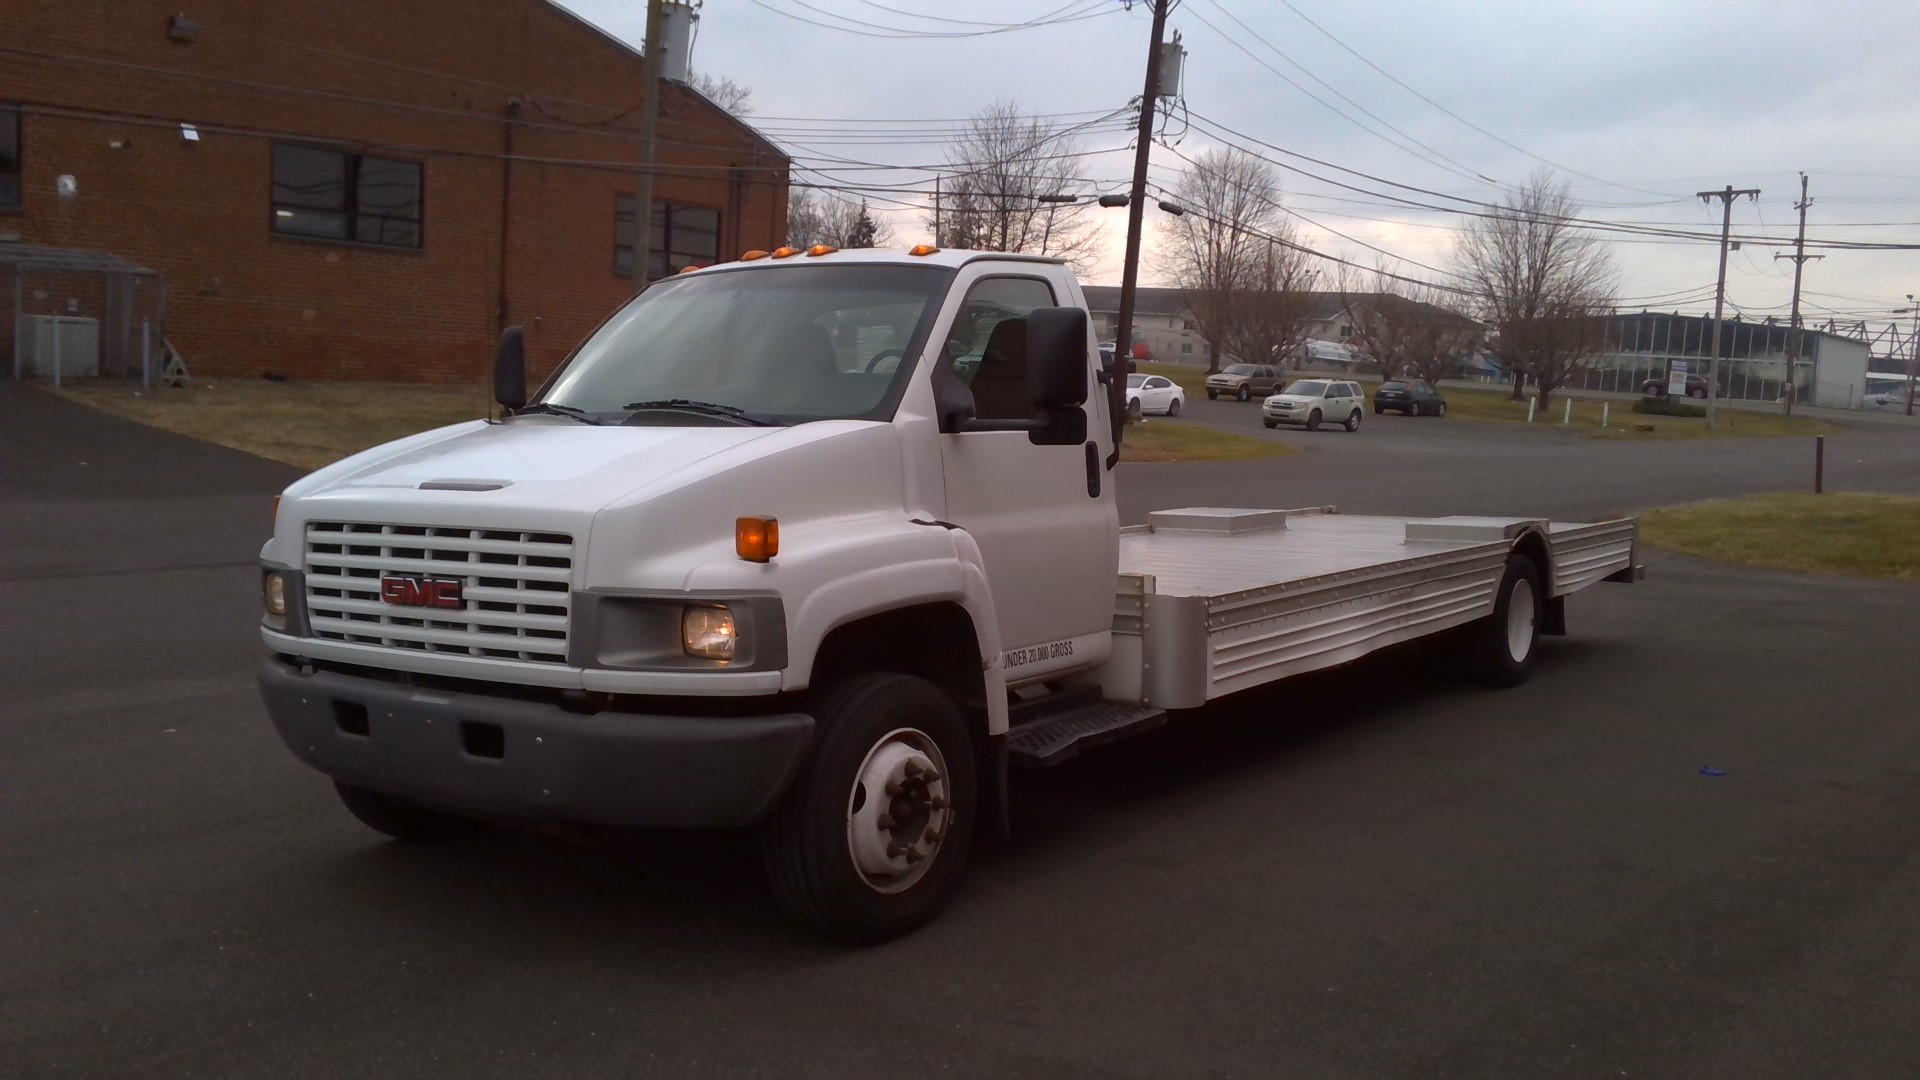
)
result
[(1585, 554)]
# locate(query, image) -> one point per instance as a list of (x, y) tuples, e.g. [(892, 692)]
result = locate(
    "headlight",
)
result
[(707, 632), (274, 588)]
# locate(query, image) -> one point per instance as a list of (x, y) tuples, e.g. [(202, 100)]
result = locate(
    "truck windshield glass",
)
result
[(783, 344)]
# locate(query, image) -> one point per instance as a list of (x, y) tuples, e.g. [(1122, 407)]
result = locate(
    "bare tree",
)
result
[(1232, 254), (724, 92), (1406, 328), (1541, 284), (998, 169), (817, 217)]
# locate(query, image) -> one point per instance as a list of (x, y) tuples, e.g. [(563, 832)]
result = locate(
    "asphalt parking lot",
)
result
[(1380, 872)]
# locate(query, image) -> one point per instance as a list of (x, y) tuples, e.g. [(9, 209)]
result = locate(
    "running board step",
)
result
[(1053, 739)]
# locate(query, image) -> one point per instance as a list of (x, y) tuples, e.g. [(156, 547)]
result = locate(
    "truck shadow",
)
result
[(656, 897)]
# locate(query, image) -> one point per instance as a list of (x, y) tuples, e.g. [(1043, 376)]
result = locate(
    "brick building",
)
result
[(356, 188)]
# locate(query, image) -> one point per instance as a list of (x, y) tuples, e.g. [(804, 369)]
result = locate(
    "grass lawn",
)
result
[(312, 423), (1171, 440), (301, 423), (1862, 535), (1622, 421)]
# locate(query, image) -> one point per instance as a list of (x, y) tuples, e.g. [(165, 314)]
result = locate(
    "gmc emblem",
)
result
[(420, 590)]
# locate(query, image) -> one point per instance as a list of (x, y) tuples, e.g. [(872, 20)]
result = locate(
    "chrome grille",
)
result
[(515, 585)]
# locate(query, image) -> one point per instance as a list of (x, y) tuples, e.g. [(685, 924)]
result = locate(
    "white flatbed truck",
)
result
[(822, 542)]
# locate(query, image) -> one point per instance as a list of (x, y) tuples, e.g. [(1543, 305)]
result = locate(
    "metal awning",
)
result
[(39, 257)]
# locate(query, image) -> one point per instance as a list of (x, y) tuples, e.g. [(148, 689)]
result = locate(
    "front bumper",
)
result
[(1290, 416), (496, 757)]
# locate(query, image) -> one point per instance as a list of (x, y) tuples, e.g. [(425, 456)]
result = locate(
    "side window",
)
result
[(988, 343), (9, 156)]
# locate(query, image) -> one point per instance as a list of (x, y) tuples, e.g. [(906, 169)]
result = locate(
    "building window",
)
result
[(680, 236), (353, 197), (9, 156), (1186, 324), (1186, 347)]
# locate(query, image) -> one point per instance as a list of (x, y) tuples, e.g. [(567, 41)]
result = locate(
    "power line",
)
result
[(880, 31)]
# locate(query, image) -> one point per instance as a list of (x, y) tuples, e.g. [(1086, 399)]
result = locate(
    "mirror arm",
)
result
[(1006, 425)]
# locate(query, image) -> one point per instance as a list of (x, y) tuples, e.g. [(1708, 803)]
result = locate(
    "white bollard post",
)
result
[(1568, 418), (1531, 402), (1606, 407)]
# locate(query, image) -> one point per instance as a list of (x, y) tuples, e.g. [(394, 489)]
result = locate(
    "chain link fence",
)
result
[(68, 314)]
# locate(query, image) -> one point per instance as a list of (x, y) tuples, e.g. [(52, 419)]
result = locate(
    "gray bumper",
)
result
[(495, 757)]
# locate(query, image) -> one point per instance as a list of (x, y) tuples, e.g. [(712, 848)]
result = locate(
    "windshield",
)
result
[(1239, 369), (786, 345), (1136, 381), (1393, 385), (1309, 388)]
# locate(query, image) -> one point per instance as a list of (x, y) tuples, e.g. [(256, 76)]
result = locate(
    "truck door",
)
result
[(1044, 519)]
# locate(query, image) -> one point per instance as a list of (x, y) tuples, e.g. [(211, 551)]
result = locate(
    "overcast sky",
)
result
[(1638, 104)]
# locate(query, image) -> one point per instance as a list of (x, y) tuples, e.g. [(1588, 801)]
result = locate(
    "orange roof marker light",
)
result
[(691, 267), (756, 539), (822, 249), (749, 256), (923, 249), (785, 252)]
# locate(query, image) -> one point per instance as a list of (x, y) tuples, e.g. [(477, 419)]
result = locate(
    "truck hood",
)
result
[(531, 460)]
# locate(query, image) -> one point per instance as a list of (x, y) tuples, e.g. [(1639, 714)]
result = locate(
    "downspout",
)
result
[(506, 210)]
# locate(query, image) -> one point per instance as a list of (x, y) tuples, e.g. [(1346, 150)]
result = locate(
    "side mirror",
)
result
[(510, 369), (1057, 358)]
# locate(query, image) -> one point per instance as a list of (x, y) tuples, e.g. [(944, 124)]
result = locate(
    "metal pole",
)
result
[(649, 124), (1136, 206), (1913, 362), (146, 354), (1819, 463), (1796, 335)]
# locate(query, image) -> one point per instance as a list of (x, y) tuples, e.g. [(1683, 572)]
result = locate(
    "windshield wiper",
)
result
[(567, 411), (707, 408)]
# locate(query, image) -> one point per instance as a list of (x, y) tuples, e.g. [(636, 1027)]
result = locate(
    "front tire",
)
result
[(1134, 411), (1440, 409), (1353, 420), (1271, 424), (871, 841), (1700, 395), (1501, 648), (1173, 407), (402, 820), (1243, 394), (1313, 420), (1377, 410), (1213, 395)]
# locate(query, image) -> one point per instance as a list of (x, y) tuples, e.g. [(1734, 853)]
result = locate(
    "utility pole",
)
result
[(649, 124), (1136, 206), (938, 238), (1720, 290), (1795, 336)]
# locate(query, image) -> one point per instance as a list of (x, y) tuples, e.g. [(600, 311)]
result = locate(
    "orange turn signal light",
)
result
[(822, 249), (923, 249), (756, 253), (756, 539), (785, 252)]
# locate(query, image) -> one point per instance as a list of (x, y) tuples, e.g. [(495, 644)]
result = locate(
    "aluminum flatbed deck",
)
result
[(1212, 601)]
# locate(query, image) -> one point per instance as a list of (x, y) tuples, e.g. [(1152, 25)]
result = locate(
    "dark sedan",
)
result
[(1696, 387), (1410, 397)]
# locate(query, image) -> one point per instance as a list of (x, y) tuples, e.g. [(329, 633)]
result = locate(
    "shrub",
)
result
[(1666, 406)]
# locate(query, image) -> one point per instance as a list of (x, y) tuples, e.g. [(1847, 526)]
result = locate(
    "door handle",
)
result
[(1093, 471)]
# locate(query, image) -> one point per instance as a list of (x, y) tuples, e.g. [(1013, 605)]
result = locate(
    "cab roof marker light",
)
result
[(785, 252), (923, 249), (750, 256), (690, 268), (822, 249)]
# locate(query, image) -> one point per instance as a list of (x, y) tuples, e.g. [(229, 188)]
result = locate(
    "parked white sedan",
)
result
[(1154, 394)]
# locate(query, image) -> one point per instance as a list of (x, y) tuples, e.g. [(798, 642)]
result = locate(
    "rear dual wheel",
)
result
[(871, 841)]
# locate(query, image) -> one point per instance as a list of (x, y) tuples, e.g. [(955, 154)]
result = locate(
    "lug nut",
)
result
[(915, 856), (893, 788), (894, 851), (937, 803), (885, 821), (935, 835), (911, 768), (931, 775)]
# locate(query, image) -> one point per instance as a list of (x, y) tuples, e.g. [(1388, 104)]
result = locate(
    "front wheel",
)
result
[(1243, 394), (1173, 407), (1699, 394), (1377, 410), (1500, 648), (1213, 395), (1313, 420), (402, 820), (1440, 409), (1353, 420), (871, 841), (1134, 411)]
